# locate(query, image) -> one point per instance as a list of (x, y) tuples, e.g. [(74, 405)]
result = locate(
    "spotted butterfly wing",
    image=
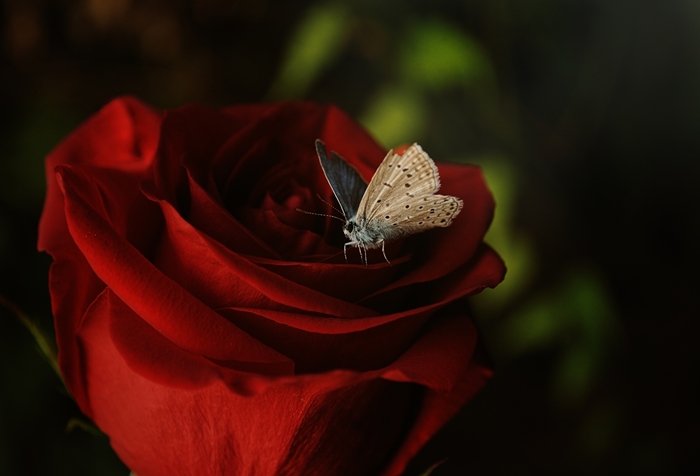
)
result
[(428, 212), (401, 199), (346, 182), (401, 177)]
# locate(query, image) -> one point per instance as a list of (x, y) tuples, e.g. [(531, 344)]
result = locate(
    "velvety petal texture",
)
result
[(209, 327)]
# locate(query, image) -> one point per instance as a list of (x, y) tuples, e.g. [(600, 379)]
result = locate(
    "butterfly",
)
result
[(400, 199)]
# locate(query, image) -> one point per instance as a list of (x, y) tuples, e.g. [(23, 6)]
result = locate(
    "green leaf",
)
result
[(433, 467), (86, 426), (45, 343)]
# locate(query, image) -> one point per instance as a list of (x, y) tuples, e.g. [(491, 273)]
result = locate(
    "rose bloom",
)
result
[(208, 327)]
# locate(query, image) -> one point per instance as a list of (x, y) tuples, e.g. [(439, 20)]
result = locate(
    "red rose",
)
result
[(210, 328)]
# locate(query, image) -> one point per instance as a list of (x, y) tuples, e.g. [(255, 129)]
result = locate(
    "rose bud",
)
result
[(209, 327)]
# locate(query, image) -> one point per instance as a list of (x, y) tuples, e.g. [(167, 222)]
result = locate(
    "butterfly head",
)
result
[(362, 234), (349, 228)]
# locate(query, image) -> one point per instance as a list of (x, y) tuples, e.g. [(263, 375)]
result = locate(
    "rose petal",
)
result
[(73, 287), (368, 349), (485, 270), (121, 136), (157, 299), (181, 142), (301, 428), (437, 409), (142, 413), (349, 283), (223, 279), (289, 242), (208, 215)]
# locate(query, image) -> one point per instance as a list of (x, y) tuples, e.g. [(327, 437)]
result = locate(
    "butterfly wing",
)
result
[(399, 180), (417, 214), (346, 182)]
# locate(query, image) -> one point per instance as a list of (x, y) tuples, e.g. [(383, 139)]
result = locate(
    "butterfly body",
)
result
[(400, 199), (364, 233)]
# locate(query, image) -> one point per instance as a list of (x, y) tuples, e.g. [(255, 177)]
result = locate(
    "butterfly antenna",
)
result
[(320, 214), (330, 204)]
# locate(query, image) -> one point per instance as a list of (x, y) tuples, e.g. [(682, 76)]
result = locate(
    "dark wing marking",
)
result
[(346, 182)]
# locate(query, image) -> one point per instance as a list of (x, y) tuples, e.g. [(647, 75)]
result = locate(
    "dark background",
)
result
[(583, 113)]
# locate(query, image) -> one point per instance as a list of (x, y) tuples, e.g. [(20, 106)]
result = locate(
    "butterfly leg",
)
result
[(345, 252), (384, 253)]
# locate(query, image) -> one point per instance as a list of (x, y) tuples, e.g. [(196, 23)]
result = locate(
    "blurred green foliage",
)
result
[(437, 55), (577, 317), (395, 116), (315, 44), (582, 114), (513, 245)]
